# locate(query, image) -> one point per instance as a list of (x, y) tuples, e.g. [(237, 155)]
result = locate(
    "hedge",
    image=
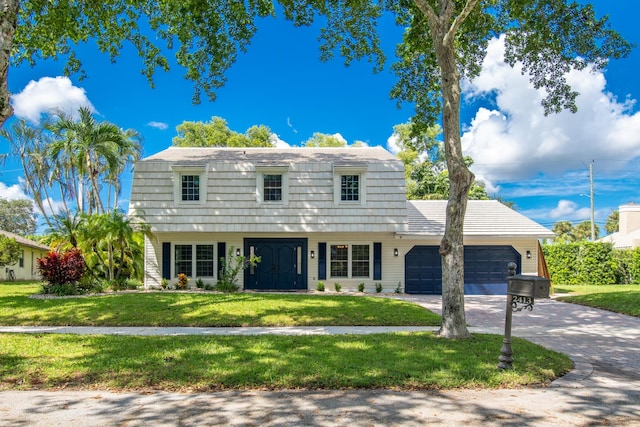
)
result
[(591, 263)]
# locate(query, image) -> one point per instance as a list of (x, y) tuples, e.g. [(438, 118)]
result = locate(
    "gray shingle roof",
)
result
[(199, 155), (483, 218)]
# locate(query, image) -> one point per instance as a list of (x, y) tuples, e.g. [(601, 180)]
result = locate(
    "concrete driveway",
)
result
[(604, 389)]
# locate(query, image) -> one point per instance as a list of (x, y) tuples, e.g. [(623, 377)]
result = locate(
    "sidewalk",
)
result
[(604, 389)]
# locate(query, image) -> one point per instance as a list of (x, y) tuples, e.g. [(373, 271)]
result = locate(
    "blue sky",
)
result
[(540, 163)]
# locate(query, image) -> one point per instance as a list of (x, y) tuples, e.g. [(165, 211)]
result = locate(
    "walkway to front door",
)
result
[(283, 264)]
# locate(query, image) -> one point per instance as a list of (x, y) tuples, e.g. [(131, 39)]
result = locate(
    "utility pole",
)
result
[(593, 224)]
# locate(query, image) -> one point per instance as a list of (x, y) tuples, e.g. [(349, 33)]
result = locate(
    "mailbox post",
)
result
[(521, 289)]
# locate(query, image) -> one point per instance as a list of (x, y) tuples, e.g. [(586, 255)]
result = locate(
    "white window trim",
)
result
[(178, 171), (194, 259), (261, 171), (350, 260), (338, 172)]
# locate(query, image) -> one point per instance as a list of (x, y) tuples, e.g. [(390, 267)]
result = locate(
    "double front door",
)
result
[(282, 265)]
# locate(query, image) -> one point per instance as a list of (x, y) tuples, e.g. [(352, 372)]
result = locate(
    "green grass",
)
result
[(204, 363), (624, 299), (195, 363), (206, 309)]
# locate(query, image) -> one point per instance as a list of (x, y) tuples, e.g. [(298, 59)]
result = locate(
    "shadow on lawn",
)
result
[(203, 309)]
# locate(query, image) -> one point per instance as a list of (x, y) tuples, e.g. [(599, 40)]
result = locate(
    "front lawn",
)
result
[(405, 361), (171, 308), (624, 299)]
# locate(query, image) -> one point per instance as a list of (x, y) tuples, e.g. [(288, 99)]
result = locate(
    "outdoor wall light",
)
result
[(395, 252), (312, 254), (238, 252), (528, 254)]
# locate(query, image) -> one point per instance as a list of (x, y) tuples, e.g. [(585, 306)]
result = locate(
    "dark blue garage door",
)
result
[(282, 266), (485, 269)]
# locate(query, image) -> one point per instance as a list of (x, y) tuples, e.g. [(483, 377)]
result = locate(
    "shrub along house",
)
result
[(336, 215)]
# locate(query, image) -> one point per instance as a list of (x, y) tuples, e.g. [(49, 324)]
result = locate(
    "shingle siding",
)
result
[(231, 192)]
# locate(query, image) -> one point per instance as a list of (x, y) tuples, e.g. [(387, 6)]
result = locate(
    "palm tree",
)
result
[(27, 144), (113, 241), (93, 152)]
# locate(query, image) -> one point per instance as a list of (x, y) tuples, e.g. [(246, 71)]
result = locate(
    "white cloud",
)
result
[(158, 125), (392, 144), (515, 140), (277, 142), (12, 192), (566, 209), (49, 94), (339, 137)]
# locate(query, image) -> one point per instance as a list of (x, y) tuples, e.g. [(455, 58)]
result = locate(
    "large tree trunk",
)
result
[(443, 30), (8, 23)]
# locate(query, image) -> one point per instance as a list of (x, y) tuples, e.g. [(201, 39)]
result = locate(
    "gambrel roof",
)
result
[(201, 155), (483, 218)]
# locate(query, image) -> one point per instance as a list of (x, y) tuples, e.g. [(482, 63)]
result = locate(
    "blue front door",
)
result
[(282, 264)]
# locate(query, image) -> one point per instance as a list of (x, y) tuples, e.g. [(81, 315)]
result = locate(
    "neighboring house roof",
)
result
[(623, 241), (483, 218), (202, 155), (24, 241)]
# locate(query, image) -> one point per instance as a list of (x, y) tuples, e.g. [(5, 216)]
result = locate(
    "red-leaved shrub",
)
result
[(61, 268)]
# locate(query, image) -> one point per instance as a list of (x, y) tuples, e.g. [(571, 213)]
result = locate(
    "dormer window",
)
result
[(350, 188), (190, 187), (189, 184), (272, 188), (349, 184), (272, 184)]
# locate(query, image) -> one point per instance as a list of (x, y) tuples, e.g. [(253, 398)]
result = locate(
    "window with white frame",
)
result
[(339, 260), (189, 184), (272, 184), (272, 188), (350, 261), (198, 258), (349, 184), (360, 260), (349, 188)]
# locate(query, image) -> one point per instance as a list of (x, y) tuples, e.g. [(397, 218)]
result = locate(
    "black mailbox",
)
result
[(528, 286)]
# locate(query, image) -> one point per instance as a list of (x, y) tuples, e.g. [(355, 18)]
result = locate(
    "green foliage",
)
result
[(378, 287), (628, 262), (199, 283), (112, 243), (216, 133), (232, 264), (82, 159), (425, 166), (361, 287), (337, 286), (398, 289), (324, 140), (613, 222), (566, 232), (583, 262), (9, 251), (320, 286), (16, 216)]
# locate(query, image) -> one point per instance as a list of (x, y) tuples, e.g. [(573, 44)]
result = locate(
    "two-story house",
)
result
[(337, 215)]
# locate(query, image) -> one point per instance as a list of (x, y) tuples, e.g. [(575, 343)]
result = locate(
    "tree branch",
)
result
[(457, 22)]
